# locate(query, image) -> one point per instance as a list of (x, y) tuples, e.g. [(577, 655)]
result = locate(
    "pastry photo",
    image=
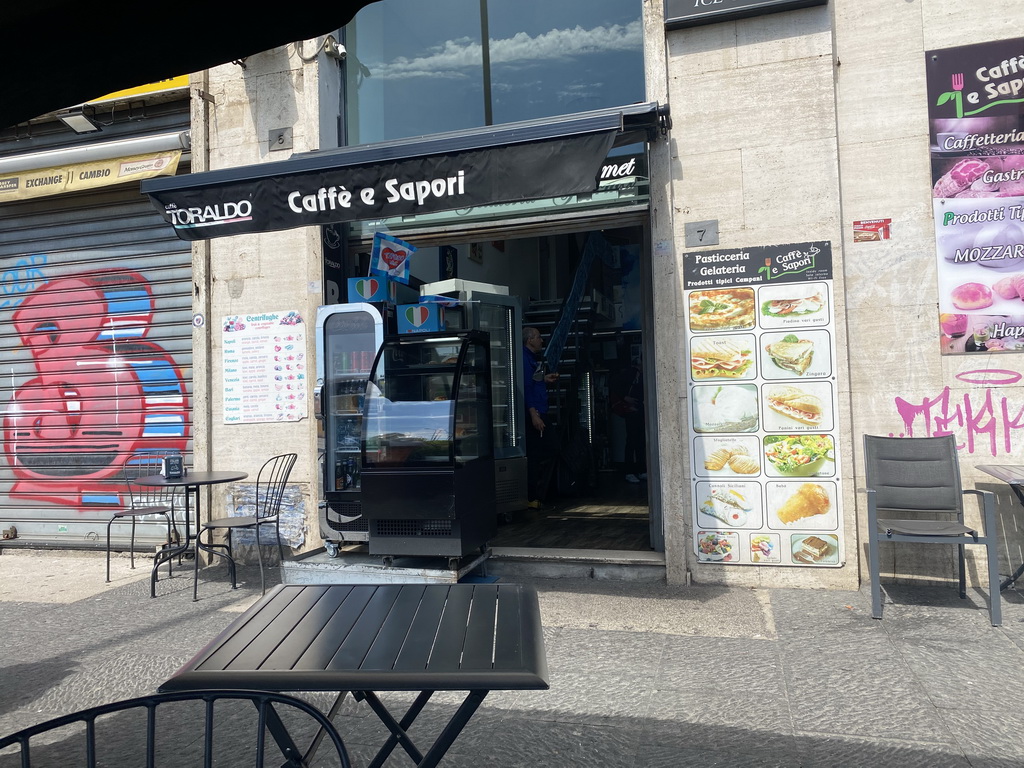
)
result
[(727, 456), (815, 549), (728, 505), (805, 505)]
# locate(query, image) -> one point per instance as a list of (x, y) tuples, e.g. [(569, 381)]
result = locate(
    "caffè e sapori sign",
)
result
[(691, 13)]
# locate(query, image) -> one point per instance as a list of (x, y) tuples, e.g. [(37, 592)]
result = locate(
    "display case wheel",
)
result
[(332, 548)]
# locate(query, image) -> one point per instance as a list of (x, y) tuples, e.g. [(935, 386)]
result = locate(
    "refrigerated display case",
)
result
[(348, 337), (489, 308), (427, 480)]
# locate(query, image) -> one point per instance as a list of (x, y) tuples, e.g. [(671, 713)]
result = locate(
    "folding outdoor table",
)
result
[(368, 638)]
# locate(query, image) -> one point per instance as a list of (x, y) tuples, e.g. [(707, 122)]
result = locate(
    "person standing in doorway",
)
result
[(541, 446), (628, 402)]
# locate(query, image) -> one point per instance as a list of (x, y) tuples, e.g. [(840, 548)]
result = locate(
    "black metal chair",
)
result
[(270, 487), (914, 495), (211, 727), (143, 501)]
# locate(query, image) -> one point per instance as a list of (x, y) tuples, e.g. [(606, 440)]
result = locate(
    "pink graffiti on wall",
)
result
[(986, 419), (102, 391)]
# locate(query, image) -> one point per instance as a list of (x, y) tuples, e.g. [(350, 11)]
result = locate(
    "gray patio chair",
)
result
[(914, 495), (270, 486), (143, 501), (205, 727)]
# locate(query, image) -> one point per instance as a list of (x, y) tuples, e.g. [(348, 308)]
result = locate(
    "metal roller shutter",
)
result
[(95, 334)]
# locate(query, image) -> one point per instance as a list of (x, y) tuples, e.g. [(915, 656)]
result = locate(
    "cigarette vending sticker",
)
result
[(264, 367), (976, 103), (763, 406)]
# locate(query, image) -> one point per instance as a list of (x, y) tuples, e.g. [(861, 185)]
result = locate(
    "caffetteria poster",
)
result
[(975, 103), (763, 406)]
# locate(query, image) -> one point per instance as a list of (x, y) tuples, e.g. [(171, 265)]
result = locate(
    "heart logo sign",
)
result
[(416, 316), (367, 288), (392, 257)]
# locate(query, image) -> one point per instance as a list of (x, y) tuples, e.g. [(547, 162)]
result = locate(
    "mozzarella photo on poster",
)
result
[(807, 506), (801, 407), (796, 355), (731, 456), (729, 505), (791, 305), (725, 408), (722, 357)]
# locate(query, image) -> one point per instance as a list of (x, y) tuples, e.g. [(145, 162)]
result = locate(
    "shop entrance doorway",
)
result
[(597, 496)]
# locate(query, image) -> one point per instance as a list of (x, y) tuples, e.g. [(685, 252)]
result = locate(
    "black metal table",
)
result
[(1013, 476), (193, 481), (368, 638)]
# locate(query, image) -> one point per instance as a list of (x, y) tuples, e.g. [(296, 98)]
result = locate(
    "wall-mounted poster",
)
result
[(763, 406), (264, 367), (976, 105)]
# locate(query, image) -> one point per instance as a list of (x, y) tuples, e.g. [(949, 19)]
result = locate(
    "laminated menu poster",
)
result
[(976, 103), (763, 406), (265, 366)]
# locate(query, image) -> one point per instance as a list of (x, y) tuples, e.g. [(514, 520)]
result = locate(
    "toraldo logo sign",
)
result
[(210, 215), (691, 13)]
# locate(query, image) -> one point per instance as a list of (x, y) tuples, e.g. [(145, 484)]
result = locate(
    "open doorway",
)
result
[(597, 495)]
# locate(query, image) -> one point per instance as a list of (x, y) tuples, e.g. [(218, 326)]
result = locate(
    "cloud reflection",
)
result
[(458, 59)]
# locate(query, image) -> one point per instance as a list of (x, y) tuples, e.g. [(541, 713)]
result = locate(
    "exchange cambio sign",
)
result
[(692, 13)]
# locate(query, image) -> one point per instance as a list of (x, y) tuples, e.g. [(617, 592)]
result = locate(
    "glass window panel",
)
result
[(418, 68)]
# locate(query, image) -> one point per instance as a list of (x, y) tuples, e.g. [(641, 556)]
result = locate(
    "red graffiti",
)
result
[(101, 390), (988, 421)]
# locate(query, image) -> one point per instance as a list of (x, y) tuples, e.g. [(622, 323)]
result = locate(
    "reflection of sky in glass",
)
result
[(416, 68)]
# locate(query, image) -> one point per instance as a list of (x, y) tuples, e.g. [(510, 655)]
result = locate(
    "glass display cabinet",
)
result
[(427, 479), (348, 337)]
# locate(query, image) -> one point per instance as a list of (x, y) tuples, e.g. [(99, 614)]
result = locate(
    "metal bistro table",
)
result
[(368, 638), (192, 481), (1012, 475)]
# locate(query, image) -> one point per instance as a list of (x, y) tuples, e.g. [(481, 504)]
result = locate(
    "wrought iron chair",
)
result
[(914, 482), (181, 728), (270, 487), (144, 502)]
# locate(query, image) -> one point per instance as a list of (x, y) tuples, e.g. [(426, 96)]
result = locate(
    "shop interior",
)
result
[(594, 499)]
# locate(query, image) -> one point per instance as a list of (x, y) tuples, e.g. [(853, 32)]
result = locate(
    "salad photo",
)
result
[(799, 455)]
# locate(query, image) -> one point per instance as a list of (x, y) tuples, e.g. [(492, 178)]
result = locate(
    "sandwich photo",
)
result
[(791, 353), (801, 300), (795, 404), (720, 358)]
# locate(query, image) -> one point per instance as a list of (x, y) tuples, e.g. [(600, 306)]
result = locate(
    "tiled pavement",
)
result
[(641, 675)]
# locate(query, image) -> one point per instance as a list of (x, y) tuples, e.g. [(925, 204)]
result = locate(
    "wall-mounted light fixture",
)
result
[(79, 119)]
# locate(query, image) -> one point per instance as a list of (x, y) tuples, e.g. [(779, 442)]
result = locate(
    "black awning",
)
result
[(59, 53), (497, 164)]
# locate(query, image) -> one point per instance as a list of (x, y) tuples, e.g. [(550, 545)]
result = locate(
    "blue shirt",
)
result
[(535, 393)]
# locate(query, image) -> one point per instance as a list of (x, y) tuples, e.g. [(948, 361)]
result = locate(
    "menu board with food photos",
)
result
[(763, 406)]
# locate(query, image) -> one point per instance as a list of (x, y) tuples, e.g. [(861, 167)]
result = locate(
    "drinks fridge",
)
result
[(348, 337)]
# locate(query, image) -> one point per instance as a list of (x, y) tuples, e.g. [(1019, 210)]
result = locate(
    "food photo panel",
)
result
[(808, 506), (799, 456), (725, 358), (729, 505), (718, 547), (793, 305), (796, 355), (727, 456), (725, 408), (800, 407), (765, 548), (814, 549), (724, 309)]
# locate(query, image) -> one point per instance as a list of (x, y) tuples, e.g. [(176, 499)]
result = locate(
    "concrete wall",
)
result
[(787, 128)]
